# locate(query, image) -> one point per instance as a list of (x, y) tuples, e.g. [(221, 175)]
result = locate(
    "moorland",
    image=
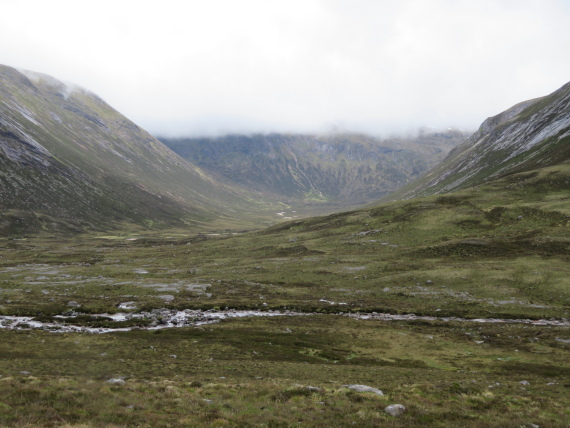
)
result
[(454, 304)]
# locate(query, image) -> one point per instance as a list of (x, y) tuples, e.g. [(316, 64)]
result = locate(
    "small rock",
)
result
[(208, 401), (395, 409), (73, 304), (429, 281), (116, 381), (364, 388), (25, 372), (313, 388), (524, 382), (127, 305)]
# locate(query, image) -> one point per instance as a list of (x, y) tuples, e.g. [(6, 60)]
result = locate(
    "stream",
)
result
[(166, 318)]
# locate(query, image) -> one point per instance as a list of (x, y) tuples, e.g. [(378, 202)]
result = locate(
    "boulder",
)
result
[(395, 409), (364, 388)]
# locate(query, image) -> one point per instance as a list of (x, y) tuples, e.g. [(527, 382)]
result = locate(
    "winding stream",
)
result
[(166, 318)]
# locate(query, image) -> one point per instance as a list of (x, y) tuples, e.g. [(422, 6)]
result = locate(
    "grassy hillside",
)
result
[(460, 255), (69, 162)]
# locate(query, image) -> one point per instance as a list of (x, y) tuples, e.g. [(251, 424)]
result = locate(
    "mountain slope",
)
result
[(341, 168), (529, 135), (69, 161)]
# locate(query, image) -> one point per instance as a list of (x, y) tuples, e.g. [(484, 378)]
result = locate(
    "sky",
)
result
[(209, 67)]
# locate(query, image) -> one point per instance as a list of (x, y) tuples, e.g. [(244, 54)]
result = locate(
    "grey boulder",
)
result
[(395, 409), (364, 388)]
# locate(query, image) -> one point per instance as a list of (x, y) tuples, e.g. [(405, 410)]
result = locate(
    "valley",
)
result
[(497, 251), (143, 288)]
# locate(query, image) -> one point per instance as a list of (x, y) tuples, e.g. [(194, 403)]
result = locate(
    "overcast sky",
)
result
[(214, 66)]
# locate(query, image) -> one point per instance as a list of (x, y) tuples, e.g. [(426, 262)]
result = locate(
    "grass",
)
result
[(495, 251), (256, 372)]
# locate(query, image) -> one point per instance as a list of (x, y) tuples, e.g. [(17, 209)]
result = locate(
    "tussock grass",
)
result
[(287, 372)]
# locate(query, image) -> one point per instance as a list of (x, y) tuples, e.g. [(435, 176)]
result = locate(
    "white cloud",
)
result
[(223, 65)]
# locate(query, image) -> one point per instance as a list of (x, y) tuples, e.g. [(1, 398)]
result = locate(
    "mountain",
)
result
[(70, 162), (530, 135), (345, 169)]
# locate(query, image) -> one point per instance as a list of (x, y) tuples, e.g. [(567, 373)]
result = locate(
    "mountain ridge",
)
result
[(346, 168), (531, 134), (70, 161)]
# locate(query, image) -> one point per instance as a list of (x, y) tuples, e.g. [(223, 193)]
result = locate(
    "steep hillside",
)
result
[(68, 161), (338, 168), (532, 134)]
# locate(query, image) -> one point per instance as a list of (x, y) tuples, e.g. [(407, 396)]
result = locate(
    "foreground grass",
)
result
[(288, 372), (88, 403)]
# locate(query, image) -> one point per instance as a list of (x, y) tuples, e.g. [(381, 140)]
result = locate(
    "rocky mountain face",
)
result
[(529, 135), (341, 168), (70, 162)]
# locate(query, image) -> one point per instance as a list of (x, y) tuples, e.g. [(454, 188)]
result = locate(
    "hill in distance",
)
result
[(335, 170)]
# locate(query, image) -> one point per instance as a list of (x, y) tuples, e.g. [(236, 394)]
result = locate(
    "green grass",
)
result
[(496, 251), (257, 372)]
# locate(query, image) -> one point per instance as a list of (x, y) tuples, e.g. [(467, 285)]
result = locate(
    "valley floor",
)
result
[(497, 251)]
